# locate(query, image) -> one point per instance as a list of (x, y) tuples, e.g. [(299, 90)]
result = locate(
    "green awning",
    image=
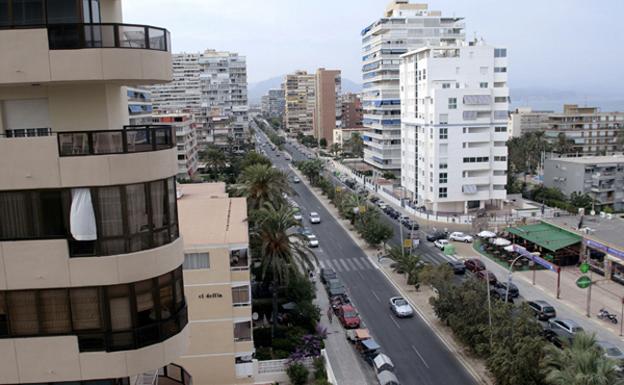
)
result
[(545, 235)]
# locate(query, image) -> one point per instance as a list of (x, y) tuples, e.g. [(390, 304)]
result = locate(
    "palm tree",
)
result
[(336, 148), (356, 145), (312, 169), (282, 250), (261, 183), (582, 363), (350, 204), (564, 145), (215, 159), (406, 263)]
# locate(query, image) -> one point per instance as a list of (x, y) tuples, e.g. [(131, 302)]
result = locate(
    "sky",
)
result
[(552, 44)]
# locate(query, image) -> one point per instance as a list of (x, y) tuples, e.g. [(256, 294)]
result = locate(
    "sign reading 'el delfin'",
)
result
[(209, 295)]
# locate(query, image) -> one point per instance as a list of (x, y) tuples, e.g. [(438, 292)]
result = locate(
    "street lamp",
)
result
[(509, 276)]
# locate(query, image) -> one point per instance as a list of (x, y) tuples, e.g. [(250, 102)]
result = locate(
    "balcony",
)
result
[(173, 374)]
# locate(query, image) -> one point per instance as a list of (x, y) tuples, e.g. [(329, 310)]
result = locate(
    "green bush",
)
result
[(297, 373), (322, 381), (263, 353), (319, 369)]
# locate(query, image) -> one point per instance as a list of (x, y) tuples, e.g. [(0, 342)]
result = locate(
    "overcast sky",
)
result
[(560, 44)]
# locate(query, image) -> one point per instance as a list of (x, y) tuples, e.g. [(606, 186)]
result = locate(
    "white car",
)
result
[(296, 179), (460, 237), (400, 307), (441, 244), (297, 216), (312, 240), (315, 217)]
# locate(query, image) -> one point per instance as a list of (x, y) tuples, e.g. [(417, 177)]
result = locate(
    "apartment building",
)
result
[(183, 91), (523, 120), (91, 286), (139, 106), (352, 113), (185, 140), (300, 99), (223, 84), (404, 27), (327, 105), (217, 285), (601, 177), (342, 135), (273, 103), (454, 103)]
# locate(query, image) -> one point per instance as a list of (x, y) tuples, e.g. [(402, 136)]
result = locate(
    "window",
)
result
[(443, 118), (242, 331), (64, 11), (478, 159), (483, 85), (28, 12), (443, 134), (500, 159), (443, 177), (442, 192), (22, 308), (500, 69), (501, 99), (500, 129), (446, 85), (452, 103), (239, 259), (443, 166), (193, 261), (85, 307), (500, 52), (54, 310), (240, 295)]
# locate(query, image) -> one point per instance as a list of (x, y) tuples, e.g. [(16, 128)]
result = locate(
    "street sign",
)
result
[(407, 243), (584, 267), (583, 282), (338, 189)]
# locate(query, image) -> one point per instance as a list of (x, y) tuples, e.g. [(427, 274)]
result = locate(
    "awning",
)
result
[(546, 235), (486, 234), (387, 378)]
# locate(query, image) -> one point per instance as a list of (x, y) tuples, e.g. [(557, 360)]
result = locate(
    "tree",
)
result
[(214, 158), (580, 200), (355, 144), (282, 251), (297, 373), (388, 175), (581, 363), (335, 149), (323, 142), (564, 144), (376, 232), (312, 170), (406, 263), (254, 158), (261, 184)]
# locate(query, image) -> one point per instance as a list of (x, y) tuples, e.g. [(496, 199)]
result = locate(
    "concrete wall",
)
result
[(573, 174)]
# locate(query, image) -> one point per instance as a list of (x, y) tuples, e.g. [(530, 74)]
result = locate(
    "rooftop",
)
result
[(208, 217), (594, 227), (546, 235), (592, 159)]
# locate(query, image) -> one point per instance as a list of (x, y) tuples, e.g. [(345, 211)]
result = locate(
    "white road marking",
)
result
[(375, 295), (330, 264), (358, 262), (361, 275), (419, 355), (346, 268), (351, 264), (322, 264), (397, 325)]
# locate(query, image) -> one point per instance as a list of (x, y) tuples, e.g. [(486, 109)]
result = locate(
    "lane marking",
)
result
[(361, 275), (346, 267), (398, 326), (358, 263), (351, 264), (375, 295), (421, 357), (322, 264)]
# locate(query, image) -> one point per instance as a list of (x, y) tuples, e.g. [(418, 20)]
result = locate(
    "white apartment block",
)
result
[(404, 27), (273, 103), (183, 91), (300, 96), (139, 106), (454, 103), (186, 141)]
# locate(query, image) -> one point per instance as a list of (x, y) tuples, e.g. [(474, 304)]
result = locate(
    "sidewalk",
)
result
[(573, 300)]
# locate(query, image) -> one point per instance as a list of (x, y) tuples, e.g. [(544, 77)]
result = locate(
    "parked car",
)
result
[(460, 237), (348, 316), (296, 179), (315, 217), (374, 199), (436, 235), (542, 310), (486, 274), (612, 352), (441, 244), (335, 287), (400, 307), (312, 240), (564, 329), (297, 216), (457, 266), (501, 288), (410, 224), (392, 213), (474, 265), (327, 274), (382, 205)]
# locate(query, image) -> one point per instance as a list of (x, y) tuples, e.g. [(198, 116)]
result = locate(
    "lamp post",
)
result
[(509, 276), (487, 279)]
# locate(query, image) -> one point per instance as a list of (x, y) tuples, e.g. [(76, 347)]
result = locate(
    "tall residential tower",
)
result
[(327, 104), (299, 94)]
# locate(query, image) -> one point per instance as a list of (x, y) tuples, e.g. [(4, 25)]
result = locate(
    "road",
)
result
[(419, 355)]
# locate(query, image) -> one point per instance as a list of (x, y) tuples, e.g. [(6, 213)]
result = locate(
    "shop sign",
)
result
[(209, 295), (540, 261), (583, 282), (599, 246)]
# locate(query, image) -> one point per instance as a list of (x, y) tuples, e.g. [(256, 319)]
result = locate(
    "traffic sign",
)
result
[(584, 267), (407, 243), (583, 282)]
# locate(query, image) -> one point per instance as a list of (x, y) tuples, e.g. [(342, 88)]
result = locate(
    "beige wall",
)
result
[(52, 359), (31, 61), (325, 107)]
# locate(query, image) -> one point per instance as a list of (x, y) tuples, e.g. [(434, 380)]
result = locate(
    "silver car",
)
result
[(564, 329), (400, 307), (612, 352)]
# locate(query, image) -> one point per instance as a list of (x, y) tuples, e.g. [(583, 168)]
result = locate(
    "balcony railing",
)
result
[(130, 139), (173, 374), (108, 35)]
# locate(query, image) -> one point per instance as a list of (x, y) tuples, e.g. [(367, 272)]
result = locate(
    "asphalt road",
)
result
[(419, 355)]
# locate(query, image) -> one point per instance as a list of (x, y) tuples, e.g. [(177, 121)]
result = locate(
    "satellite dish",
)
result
[(255, 316)]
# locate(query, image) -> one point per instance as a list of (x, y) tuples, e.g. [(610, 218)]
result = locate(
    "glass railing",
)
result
[(108, 35), (130, 139), (173, 374)]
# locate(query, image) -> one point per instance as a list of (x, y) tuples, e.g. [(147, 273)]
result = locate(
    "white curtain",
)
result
[(81, 216)]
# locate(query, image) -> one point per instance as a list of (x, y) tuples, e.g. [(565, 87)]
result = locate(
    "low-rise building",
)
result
[(601, 177), (523, 120), (186, 140), (342, 135), (216, 280)]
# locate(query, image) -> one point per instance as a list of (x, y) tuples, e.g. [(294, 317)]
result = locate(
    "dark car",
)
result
[(392, 213), (457, 266), (474, 265), (410, 224), (335, 288), (436, 235), (542, 310), (327, 274), (374, 199), (484, 274), (501, 287)]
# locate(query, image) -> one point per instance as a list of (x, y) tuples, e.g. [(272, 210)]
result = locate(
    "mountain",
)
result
[(258, 89)]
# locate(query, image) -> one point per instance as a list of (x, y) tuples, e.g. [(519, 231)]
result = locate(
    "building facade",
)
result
[(139, 106), (454, 104), (217, 285), (524, 120), (352, 114), (404, 27), (185, 139), (273, 103), (342, 135), (91, 287), (299, 95), (327, 106), (601, 177), (183, 91)]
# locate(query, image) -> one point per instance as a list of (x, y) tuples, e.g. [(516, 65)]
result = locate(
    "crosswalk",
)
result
[(346, 264)]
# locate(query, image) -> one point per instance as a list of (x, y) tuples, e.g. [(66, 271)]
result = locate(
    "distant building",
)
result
[(342, 135), (327, 107), (299, 94), (601, 177), (523, 120), (183, 91), (139, 106), (454, 104), (352, 113), (186, 140), (273, 103), (403, 27)]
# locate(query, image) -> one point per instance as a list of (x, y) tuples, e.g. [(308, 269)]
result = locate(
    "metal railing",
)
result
[(107, 35)]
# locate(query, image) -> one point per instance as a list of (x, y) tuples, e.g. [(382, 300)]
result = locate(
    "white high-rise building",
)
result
[(183, 92), (404, 27), (273, 103), (454, 108)]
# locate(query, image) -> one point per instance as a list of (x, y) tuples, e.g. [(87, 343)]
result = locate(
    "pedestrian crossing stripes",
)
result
[(346, 264)]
